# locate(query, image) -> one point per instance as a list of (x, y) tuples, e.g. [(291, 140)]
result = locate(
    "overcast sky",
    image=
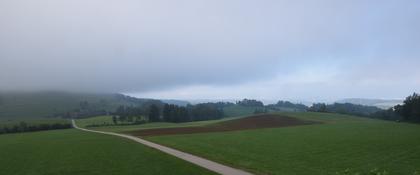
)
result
[(213, 49)]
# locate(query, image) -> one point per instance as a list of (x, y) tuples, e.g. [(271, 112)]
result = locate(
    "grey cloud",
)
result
[(135, 46)]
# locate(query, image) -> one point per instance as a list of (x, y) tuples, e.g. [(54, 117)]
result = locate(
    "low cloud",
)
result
[(152, 46)]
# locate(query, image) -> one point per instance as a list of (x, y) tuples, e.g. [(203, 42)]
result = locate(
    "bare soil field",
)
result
[(252, 122)]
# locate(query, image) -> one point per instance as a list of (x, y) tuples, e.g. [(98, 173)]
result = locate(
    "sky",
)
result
[(213, 49)]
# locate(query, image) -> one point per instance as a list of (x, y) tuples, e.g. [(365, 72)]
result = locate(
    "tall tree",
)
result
[(154, 113), (410, 110), (114, 119), (166, 112)]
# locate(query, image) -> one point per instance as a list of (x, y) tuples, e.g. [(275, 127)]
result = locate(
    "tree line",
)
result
[(250, 103), (169, 113), (345, 108), (29, 127), (283, 105), (409, 111)]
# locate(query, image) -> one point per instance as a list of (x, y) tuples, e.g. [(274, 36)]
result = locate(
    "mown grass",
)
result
[(342, 142), (77, 152), (123, 128)]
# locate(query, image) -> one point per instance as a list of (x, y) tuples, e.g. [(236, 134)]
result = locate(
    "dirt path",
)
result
[(208, 164)]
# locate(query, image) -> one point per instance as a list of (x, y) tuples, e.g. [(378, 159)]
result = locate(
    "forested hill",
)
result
[(61, 104)]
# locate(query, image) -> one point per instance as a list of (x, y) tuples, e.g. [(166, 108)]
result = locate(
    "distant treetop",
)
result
[(250, 103)]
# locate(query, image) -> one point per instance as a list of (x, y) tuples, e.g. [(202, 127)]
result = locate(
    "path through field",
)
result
[(210, 165)]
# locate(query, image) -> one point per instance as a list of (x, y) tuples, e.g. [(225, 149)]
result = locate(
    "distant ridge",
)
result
[(380, 103)]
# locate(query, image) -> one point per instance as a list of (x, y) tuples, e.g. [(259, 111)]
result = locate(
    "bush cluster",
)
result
[(29, 127)]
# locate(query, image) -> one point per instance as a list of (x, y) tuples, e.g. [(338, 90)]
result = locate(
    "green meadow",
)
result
[(76, 152), (341, 143)]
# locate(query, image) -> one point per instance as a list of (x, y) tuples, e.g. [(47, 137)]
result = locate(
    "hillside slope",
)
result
[(47, 104)]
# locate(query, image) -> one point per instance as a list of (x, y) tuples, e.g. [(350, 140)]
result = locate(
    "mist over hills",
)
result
[(380, 103), (175, 102), (57, 103)]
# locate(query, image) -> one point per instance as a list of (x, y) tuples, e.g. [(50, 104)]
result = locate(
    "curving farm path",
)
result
[(205, 163)]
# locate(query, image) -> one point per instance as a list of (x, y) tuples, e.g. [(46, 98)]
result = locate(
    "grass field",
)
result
[(76, 152), (123, 128), (342, 142)]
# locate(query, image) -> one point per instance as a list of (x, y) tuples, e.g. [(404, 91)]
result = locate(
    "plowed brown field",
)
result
[(253, 122)]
